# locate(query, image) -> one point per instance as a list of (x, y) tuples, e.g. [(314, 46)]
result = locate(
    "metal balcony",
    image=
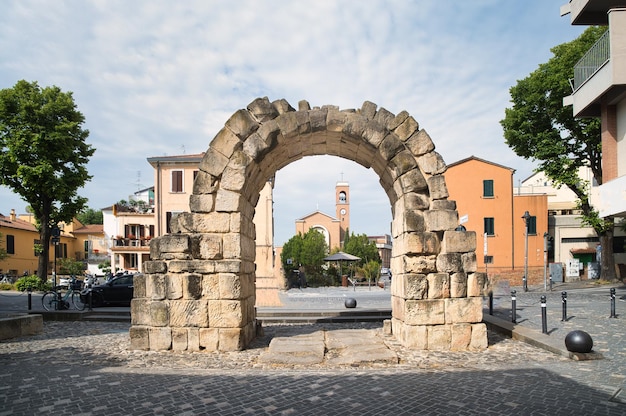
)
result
[(595, 58)]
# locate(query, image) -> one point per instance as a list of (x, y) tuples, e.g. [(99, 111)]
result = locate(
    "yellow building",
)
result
[(20, 238)]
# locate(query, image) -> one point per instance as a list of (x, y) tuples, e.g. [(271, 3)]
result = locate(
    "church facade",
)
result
[(333, 229)]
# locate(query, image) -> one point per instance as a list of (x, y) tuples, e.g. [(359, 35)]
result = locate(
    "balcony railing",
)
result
[(596, 56)]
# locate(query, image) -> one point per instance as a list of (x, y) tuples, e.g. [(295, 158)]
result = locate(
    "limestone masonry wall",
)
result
[(198, 290)]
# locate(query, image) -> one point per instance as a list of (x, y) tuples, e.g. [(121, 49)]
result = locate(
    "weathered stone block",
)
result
[(185, 313), (212, 222), (242, 124), (139, 338), (477, 284), (445, 204), (207, 246), (441, 220), (209, 339), (438, 285), (424, 312), (458, 241), (412, 181), (150, 267), (230, 286), (192, 286), (179, 339), (415, 286), (398, 120), (449, 262), (197, 266), (402, 163), (432, 163), (139, 285), (420, 143), (172, 243), (262, 109), (469, 262), (458, 285), (160, 338), (159, 314), (228, 201), (461, 335), (407, 128), (174, 284), (437, 187), (232, 246), (140, 312), (463, 310), (231, 339), (368, 109), (439, 337), (193, 339), (216, 157), (156, 286), (420, 264), (205, 183), (211, 286), (398, 308), (415, 336), (226, 314), (419, 243), (479, 339)]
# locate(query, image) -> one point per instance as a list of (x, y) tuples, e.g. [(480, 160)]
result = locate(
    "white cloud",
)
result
[(154, 77)]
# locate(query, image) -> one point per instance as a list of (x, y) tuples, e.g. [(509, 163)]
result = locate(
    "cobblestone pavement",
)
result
[(87, 368)]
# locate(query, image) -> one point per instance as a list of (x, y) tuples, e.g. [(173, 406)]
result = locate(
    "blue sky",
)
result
[(160, 78)]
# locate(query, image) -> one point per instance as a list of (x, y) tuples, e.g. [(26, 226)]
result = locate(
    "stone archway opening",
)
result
[(198, 290)]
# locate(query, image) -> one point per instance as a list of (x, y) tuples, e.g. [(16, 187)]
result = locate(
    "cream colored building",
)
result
[(599, 90), (173, 185)]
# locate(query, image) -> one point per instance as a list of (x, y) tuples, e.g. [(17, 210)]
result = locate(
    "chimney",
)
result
[(12, 216)]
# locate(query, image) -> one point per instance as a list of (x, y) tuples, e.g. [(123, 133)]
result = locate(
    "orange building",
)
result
[(483, 192)]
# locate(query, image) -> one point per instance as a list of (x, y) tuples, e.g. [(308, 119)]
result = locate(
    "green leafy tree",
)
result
[(540, 128), (370, 270), (71, 266), (306, 250), (359, 245), (44, 155), (90, 216)]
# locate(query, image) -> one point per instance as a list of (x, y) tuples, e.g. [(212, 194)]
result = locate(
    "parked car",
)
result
[(117, 291)]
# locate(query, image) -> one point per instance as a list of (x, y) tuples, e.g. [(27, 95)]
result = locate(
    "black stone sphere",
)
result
[(578, 341), (350, 303)]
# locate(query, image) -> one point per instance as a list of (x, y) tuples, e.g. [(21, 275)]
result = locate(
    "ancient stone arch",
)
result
[(198, 290)]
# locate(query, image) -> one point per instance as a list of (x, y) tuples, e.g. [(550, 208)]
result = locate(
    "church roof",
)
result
[(315, 213)]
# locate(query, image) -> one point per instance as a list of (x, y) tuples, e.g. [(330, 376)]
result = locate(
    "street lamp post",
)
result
[(545, 261), (526, 218)]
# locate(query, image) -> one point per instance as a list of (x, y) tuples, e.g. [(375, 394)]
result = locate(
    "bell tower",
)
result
[(342, 208)]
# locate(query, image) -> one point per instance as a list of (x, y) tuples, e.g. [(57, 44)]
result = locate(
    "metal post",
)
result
[(30, 298), (564, 304), (513, 306), (490, 303), (545, 262), (613, 315), (544, 316)]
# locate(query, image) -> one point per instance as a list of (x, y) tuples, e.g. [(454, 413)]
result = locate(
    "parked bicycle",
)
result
[(54, 300)]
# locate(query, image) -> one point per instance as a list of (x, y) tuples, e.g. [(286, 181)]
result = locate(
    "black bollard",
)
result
[(30, 298), (613, 315), (564, 303), (490, 303), (544, 316), (513, 306)]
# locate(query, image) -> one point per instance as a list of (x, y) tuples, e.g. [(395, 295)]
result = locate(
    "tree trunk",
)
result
[(44, 255), (607, 259)]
